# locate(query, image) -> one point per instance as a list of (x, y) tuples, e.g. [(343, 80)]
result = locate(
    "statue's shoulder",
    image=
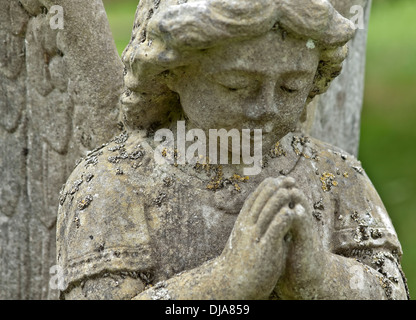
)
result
[(338, 171), (336, 180), (297, 152), (101, 220), (107, 172)]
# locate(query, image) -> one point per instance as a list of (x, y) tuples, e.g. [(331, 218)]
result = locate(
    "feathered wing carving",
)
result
[(59, 91)]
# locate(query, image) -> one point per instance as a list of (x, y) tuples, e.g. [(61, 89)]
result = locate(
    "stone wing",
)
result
[(60, 81)]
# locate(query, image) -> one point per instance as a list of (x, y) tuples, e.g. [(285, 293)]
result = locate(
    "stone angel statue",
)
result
[(308, 225)]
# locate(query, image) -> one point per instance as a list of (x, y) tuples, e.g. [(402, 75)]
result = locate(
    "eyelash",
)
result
[(235, 89), (283, 88), (288, 90)]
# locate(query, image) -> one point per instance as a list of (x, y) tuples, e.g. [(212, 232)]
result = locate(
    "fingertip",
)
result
[(273, 180), (299, 209), (288, 182), (298, 197)]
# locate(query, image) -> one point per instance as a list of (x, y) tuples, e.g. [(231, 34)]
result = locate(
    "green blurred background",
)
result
[(388, 133)]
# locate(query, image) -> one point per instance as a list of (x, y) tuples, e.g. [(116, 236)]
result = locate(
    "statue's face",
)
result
[(260, 83)]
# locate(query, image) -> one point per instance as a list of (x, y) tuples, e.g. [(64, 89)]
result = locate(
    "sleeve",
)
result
[(101, 223), (361, 221), (363, 231)]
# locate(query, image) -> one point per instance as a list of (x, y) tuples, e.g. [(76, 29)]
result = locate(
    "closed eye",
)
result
[(234, 80), (288, 90), (235, 88)]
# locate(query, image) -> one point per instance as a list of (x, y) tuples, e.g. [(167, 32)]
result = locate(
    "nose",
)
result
[(264, 104)]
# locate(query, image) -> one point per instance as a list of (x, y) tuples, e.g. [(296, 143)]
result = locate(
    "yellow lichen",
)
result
[(328, 180), (237, 178), (164, 152), (277, 151), (216, 181)]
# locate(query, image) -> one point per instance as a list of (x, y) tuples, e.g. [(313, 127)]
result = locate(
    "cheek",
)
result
[(194, 107), (293, 105), (210, 106), (199, 107), (289, 110)]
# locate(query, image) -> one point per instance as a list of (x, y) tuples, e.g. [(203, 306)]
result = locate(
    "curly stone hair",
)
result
[(168, 34)]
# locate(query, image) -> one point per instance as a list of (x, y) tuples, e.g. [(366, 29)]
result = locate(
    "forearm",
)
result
[(207, 282), (344, 278)]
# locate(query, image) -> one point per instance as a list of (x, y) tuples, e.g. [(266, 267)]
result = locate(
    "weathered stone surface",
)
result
[(58, 98), (308, 225), (189, 230), (335, 116), (173, 228)]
